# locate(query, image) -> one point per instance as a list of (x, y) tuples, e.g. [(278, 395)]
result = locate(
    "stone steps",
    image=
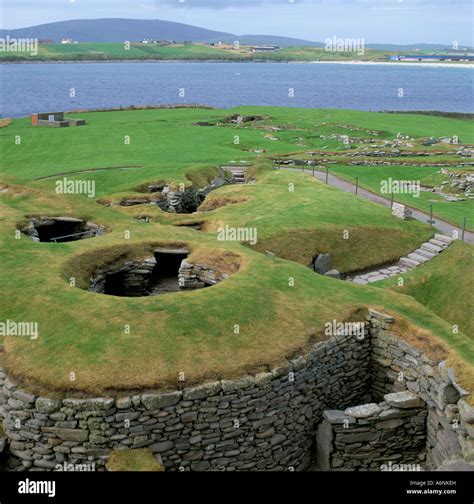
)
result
[(409, 262), (418, 257), (438, 243), (421, 255), (425, 253), (444, 238), (431, 248)]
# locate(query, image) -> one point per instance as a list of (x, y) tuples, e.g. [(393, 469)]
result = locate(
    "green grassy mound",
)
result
[(263, 314)]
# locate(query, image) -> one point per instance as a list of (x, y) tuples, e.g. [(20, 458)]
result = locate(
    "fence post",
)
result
[(357, 185), (327, 174), (463, 228), (430, 220)]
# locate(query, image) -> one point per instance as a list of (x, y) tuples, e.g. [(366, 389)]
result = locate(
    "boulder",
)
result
[(45, 405), (466, 412), (202, 391), (322, 263), (333, 274), (157, 401), (447, 394)]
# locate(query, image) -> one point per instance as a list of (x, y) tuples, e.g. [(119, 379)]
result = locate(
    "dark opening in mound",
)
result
[(166, 271), (60, 229), (151, 277), (164, 277), (197, 225)]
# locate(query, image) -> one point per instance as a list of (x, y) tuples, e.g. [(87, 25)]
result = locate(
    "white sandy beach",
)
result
[(399, 63)]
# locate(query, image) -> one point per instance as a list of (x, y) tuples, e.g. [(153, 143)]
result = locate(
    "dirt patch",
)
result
[(4, 123)]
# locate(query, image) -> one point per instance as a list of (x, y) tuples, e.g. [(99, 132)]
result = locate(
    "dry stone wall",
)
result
[(196, 276), (374, 436), (397, 366), (262, 422)]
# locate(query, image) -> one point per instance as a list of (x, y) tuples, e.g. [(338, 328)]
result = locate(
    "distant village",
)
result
[(463, 54), (447, 55), (162, 43)]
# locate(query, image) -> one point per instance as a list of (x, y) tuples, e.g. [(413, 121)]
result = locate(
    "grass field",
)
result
[(195, 51), (82, 333), (371, 177)]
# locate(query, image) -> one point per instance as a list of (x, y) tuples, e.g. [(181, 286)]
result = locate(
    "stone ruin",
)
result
[(189, 199), (167, 270), (55, 120), (60, 229), (401, 211)]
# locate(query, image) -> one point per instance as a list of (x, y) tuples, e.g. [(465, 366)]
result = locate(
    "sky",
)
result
[(383, 21)]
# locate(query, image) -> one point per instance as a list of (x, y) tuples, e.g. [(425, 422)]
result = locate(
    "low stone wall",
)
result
[(196, 276), (374, 436), (262, 422), (136, 277)]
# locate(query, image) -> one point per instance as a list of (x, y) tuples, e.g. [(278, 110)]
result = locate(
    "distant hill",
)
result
[(269, 39), (115, 30), (135, 30)]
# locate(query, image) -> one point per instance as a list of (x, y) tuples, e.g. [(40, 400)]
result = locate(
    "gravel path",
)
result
[(444, 227)]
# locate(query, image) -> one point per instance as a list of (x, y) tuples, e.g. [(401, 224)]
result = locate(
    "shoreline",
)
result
[(335, 62), (213, 107), (398, 63)]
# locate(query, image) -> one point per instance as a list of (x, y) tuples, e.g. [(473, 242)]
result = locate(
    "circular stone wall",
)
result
[(262, 422)]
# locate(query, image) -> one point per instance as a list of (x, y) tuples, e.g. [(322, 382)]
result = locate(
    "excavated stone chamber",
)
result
[(60, 229), (165, 271)]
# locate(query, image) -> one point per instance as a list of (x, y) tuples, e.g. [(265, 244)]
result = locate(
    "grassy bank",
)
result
[(195, 52)]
